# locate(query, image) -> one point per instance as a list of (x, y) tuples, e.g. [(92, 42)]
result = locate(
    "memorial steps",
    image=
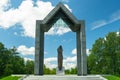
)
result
[(66, 77)]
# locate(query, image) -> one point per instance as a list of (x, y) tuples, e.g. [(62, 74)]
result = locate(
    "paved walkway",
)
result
[(66, 77)]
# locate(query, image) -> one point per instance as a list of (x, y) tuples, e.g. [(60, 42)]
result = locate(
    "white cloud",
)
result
[(68, 7), (26, 59), (49, 64), (26, 14), (70, 59), (4, 4), (58, 30), (115, 16), (74, 51), (51, 59), (68, 63), (100, 23), (88, 51), (25, 50)]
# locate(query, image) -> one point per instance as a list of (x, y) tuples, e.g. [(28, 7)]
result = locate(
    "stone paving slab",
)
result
[(66, 77)]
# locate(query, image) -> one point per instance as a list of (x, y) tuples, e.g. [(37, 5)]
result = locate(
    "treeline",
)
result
[(53, 71), (12, 63), (104, 58), (105, 55)]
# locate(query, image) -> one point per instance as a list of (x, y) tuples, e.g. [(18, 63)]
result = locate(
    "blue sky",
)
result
[(17, 26)]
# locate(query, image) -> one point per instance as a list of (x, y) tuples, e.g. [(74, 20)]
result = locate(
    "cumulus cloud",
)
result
[(26, 14), (75, 52), (100, 23), (58, 30), (88, 51), (47, 60), (25, 50), (4, 5), (68, 63), (26, 59), (51, 62), (70, 59), (68, 7)]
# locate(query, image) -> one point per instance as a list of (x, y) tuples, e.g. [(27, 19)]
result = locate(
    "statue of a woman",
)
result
[(60, 57)]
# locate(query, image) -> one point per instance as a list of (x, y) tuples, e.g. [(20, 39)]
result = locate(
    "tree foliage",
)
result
[(12, 63), (105, 55)]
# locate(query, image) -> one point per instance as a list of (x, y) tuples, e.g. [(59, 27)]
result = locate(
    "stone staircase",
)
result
[(66, 77)]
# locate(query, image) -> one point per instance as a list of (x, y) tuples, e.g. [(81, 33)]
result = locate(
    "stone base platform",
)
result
[(66, 77), (60, 72)]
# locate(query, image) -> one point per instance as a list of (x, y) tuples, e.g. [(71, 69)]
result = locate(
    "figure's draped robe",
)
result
[(60, 57)]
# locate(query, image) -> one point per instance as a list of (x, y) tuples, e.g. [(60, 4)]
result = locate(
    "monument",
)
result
[(60, 57), (60, 69), (77, 26)]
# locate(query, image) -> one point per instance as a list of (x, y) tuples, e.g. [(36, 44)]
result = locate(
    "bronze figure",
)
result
[(60, 57)]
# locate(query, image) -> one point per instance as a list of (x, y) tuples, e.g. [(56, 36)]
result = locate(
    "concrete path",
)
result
[(66, 77)]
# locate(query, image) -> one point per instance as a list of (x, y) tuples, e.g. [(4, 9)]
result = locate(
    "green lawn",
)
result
[(111, 77), (10, 78)]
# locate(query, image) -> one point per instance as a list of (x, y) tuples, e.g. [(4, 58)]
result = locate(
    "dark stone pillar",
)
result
[(83, 50), (39, 49), (78, 45)]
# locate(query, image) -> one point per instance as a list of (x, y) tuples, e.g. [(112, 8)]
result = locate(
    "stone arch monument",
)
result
[(77, 26)]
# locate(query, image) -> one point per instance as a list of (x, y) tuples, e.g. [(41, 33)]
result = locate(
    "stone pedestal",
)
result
[(60, 72)]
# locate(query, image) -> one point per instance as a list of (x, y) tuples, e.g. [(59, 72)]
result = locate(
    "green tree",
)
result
[(29, 67), (8, 69), (67, 71), (4, 59), (95, 58), (73, 70), (16, 61), (105, 55), (53, 71), (10, 61)]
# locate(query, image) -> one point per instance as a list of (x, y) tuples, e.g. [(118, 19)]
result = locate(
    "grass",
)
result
[(111, 77), (10, 78)]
